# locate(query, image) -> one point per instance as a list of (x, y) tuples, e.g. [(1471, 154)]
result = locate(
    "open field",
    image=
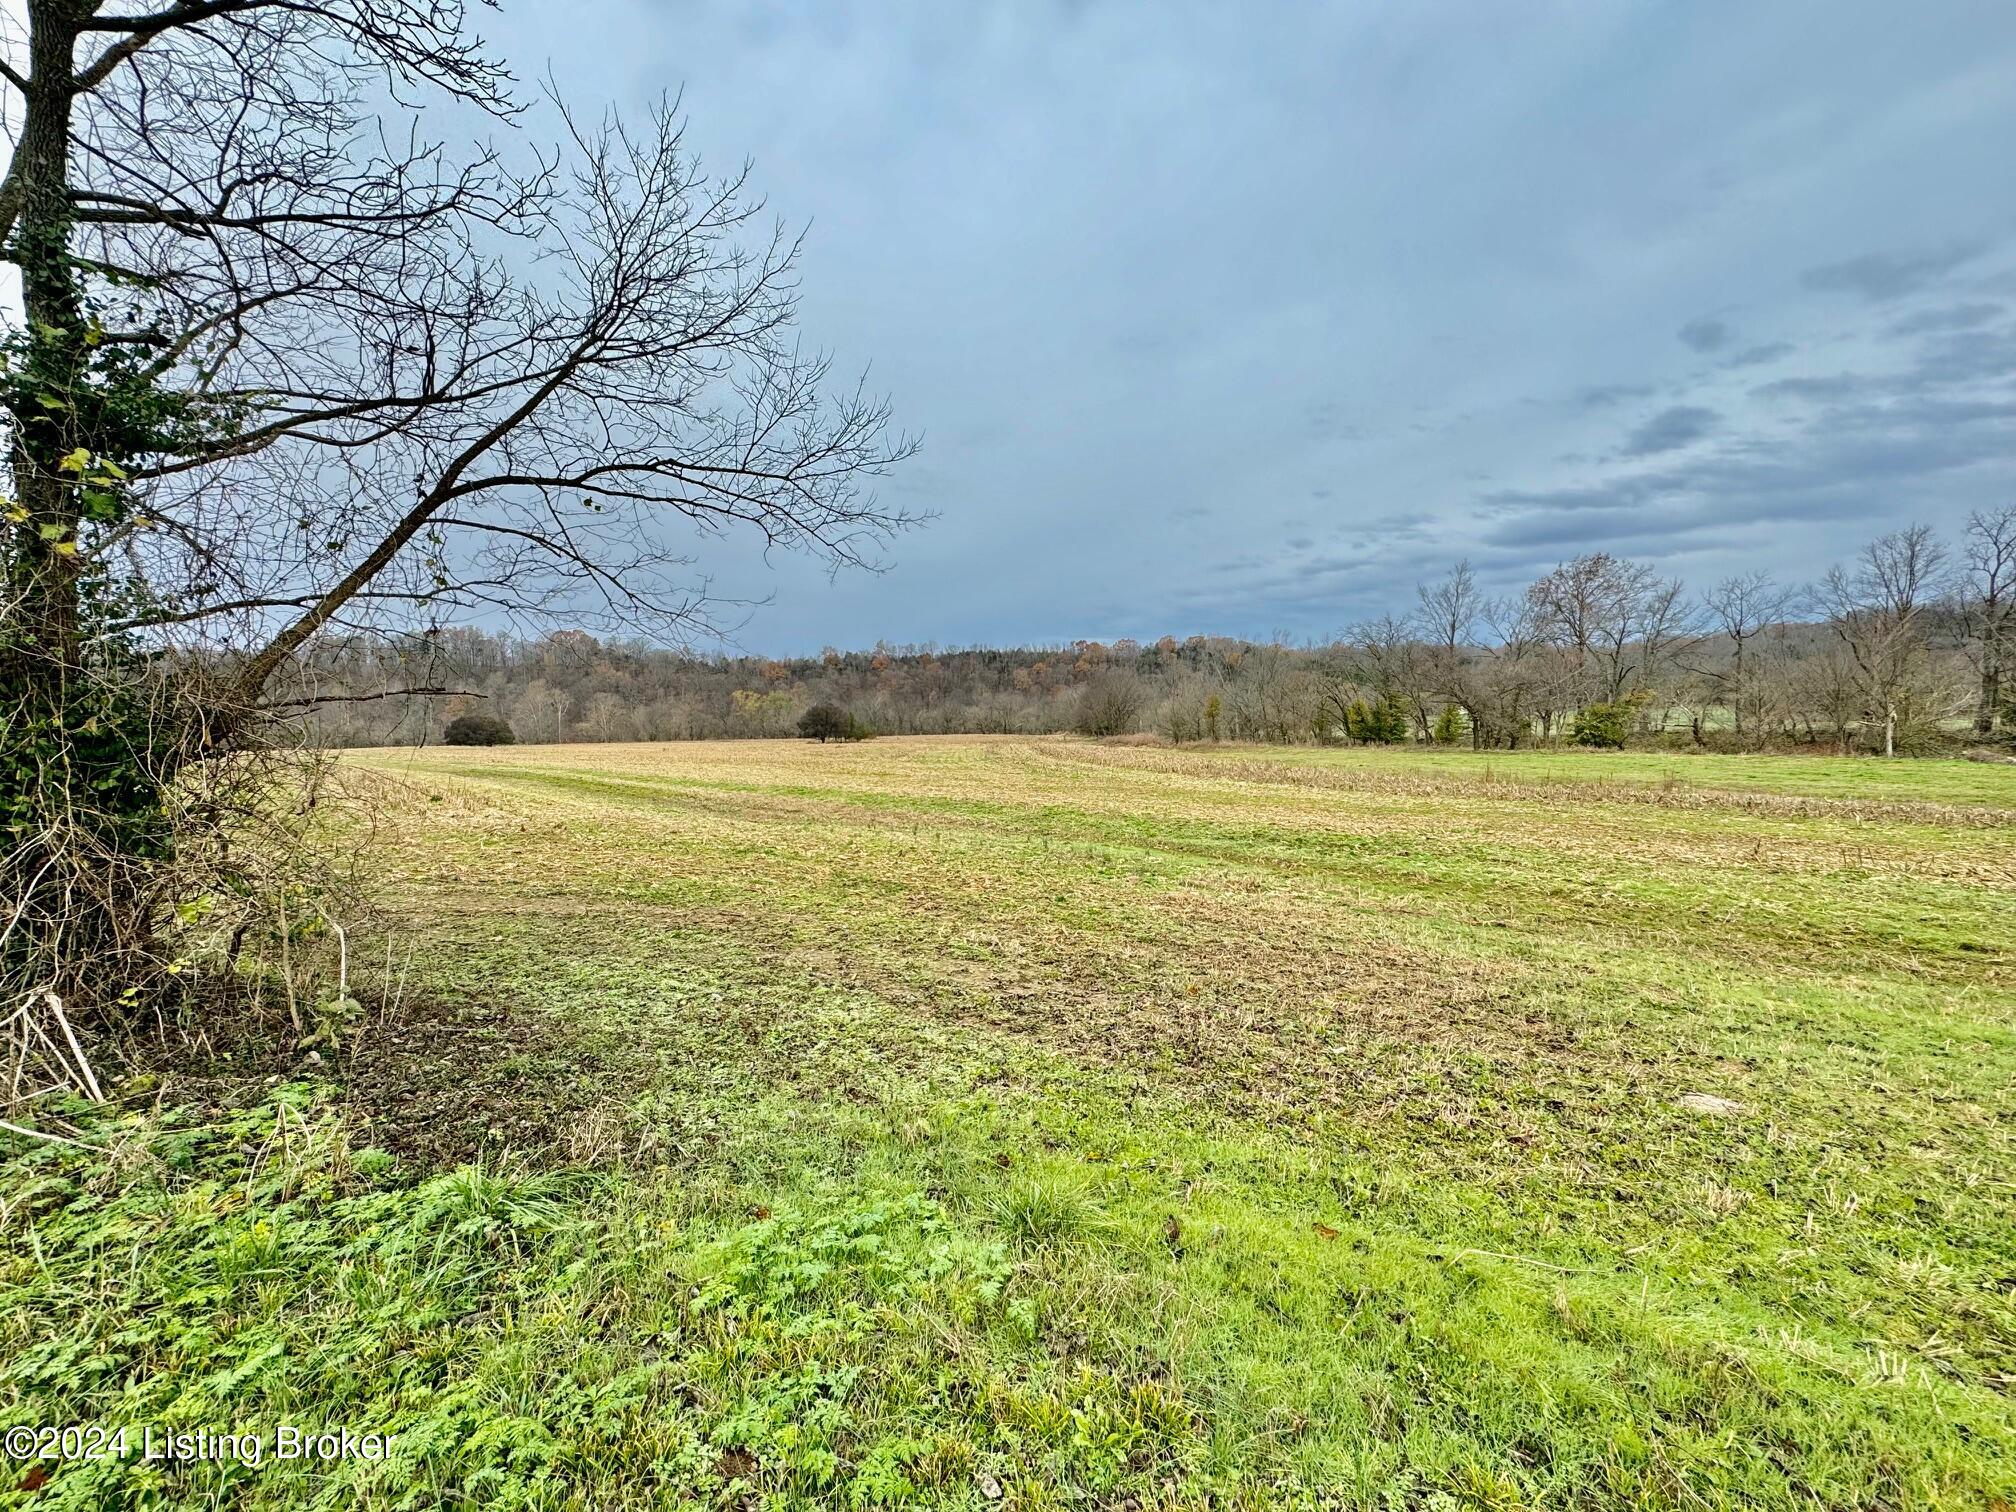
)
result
[(1847, 777), (1036, 1123)]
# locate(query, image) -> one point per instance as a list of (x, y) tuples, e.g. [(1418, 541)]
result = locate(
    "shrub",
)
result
[(1110, 705), (1390, 721), (1450, 726), (824, 722), (478, 730), (1381, 722), (1602, 725)]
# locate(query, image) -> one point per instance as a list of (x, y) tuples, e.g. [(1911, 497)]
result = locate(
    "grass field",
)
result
[(1037, 1123)]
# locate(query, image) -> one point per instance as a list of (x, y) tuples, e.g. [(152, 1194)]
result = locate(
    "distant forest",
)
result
[(1902, 650)]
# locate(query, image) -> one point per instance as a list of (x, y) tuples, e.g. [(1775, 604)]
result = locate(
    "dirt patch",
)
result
[(438, 1083), (443, 1083), (1709, 1103)]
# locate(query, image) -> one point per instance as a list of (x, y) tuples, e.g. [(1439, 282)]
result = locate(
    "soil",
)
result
[(436, 1083)]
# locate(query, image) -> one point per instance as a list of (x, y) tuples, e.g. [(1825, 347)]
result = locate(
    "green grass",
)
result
[(979, 1123), (1849, 777)]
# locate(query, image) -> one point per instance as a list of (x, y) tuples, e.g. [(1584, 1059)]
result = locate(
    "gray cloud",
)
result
[(1670, 429), (1860, 447), (1327, 420), (1890, 275), (1950, 359), (1556, 500), (1968, 357), (1831, 386), (1828, 485), (1152, 281), (1959, 317), (1706, 335), (1757, 356), (1603, 396)]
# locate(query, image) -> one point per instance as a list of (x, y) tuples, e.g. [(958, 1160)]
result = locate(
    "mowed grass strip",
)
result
[(1033, 1122)]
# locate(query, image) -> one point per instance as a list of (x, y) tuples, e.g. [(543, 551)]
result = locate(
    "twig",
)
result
[(1566, 1270), (14, 1128), (77, 1050), (342, 954), (331, 698)]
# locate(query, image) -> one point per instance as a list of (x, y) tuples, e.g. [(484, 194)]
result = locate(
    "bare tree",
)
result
[(1271, 696), (1827, 691), (1988, 605), (1110, 704), (1522, 681), (1741, 608), (1449, 613), (1385, 655), (288, 368), (1665, 627), (1877, 609), (1618, 619)]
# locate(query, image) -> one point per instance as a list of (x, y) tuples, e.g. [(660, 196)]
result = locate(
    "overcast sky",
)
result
[(1241, 319)]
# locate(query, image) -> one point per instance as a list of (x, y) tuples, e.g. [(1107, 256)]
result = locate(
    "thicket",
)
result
[(478, 730), (1604, 726), (824, 722)]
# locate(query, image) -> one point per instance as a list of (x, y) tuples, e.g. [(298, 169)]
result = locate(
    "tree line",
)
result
[(1905, 648)]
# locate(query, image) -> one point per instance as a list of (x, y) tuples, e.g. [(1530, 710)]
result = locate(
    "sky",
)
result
[(1244, 319)]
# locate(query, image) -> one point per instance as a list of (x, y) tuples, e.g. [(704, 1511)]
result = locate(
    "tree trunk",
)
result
[(50, 394), (55, 781), (1736, 691)]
